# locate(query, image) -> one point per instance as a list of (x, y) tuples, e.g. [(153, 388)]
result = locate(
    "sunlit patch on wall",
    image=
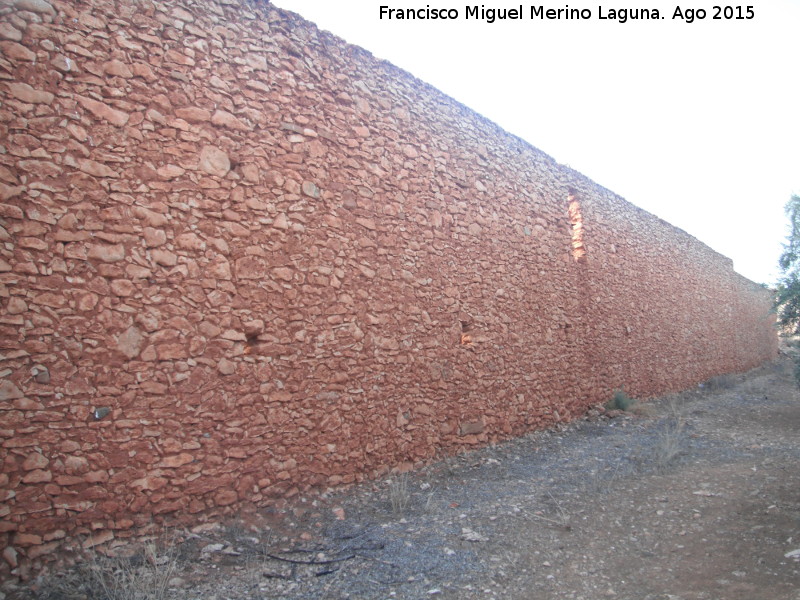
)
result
[(576, 223)]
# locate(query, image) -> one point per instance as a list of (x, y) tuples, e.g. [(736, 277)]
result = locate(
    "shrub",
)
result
[(620, 401)]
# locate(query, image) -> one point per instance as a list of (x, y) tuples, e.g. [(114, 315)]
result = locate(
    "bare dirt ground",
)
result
[(696, 497)]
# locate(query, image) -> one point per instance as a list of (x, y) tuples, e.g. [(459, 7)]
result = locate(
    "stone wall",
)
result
[(241, 259)]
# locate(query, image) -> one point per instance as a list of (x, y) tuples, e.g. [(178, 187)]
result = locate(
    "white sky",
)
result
[(697, 123)]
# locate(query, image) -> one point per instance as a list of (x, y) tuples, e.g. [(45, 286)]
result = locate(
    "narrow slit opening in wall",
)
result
[(576, 223), (466, 337)]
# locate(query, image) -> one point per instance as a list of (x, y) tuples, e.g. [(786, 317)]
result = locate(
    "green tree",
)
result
[(787, 298)]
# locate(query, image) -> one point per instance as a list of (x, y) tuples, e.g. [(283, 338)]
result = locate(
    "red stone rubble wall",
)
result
[(240, 259)]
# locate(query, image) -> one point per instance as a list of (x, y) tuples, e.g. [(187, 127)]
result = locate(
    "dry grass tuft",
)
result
[(145, 576), (642, 409), (720, 383), (672, 439), (399, 495), (560, 519)]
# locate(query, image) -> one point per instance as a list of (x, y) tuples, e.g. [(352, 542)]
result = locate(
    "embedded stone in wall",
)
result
[(16, 51), (193, 114), (36, 6), (154, 237), (25, 93), (170, 171), (250, 267), (225, 119), (214, 161), (117, 68), (472, 427), (35, 461), (284, 273), (87, 301), (9, 391), (16, 306), (130, 342), (226, 367), (165, 258), (106, 253), (95, 168), (9, 32), (250, 173), (103, 111), (151, 218), (310, 189), (281, 222)]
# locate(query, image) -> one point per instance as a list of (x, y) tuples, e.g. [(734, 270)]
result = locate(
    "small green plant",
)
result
[(620, 401)]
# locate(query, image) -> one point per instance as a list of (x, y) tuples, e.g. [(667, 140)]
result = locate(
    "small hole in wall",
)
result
[(466, 337), (251, 345), (576, 224)]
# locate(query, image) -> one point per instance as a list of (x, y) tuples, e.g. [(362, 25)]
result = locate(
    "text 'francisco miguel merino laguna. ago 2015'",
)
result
[(621, 15)]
